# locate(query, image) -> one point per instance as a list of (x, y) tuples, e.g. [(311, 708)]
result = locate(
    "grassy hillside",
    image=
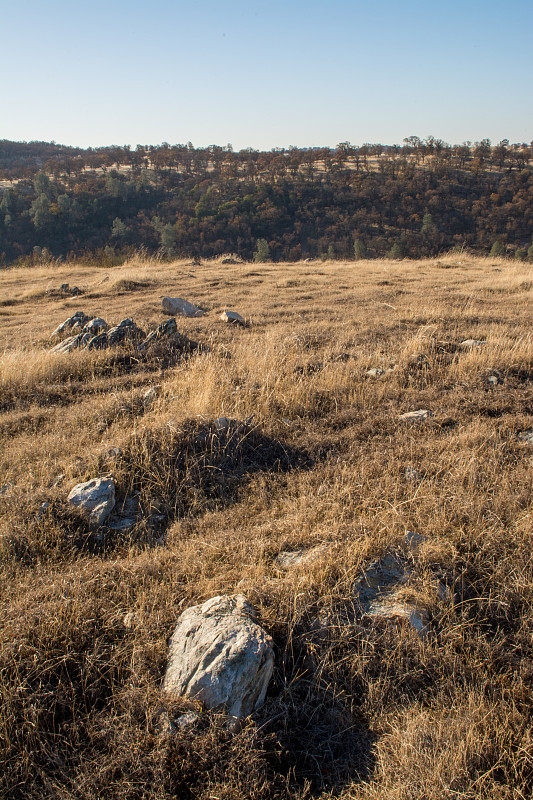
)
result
[(359, 707)]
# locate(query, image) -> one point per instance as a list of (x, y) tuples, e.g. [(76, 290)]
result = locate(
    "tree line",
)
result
[(411, 200)]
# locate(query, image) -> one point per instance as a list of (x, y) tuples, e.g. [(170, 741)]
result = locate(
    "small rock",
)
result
[(471, 344), (112, 454), (412, 541), (412, 475), (121, 524), (233, 317), (495, 379), (6, 489), (43, 508), (389, 611), (294, 558), (151, 395), (526, 436), (221, 656), (375, 372), (379, 589), (177, 306), (95, 498), (416, 416), (189, 718), (222, 424), (129, 620), (64, 287)]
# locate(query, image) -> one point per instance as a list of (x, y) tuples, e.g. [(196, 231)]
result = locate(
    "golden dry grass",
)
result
[(353, 711)]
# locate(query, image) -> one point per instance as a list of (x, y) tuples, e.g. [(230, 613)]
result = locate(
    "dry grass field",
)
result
[(358, 707)]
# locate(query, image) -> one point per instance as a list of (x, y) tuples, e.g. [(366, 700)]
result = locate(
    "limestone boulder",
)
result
[(95, 498), (220, 656), (179, 307)]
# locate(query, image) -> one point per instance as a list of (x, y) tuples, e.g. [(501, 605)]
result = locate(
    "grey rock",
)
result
[(220, 656), (189, 718), (295, 558), (177, 306), (124, 331), (222, 424), (412, 475), (526, 436), (375, 372), (121, 523), (151, 395), (412, 541), (111, 454), (95, 325), (416, 416), (495, 379), (379, 594), (77, 320), (95, 498), (471, 344), (68, 345), (389, 611), (43, 508), (233, 317), (167, 328)]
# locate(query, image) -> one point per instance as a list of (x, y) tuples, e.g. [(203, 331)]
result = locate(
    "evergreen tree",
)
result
[(359, 250), (395, 251), (262, 252), (497, 249)]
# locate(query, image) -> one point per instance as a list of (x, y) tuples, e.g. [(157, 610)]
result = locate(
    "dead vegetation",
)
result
[(272, 438)]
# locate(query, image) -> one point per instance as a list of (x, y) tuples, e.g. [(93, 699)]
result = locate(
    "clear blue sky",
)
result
[(265, 74)]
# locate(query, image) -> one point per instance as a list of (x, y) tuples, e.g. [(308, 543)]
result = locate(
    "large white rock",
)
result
[(177, 306), (220, 656), (95, 498)]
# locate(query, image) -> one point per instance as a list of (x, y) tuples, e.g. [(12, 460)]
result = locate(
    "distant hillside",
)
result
[(413, 200)]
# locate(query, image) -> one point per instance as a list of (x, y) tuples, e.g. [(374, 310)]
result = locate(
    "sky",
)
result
[(265, 74)]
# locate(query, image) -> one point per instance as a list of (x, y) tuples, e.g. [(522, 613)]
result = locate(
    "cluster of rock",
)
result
[(93, 333), (65, 290)]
